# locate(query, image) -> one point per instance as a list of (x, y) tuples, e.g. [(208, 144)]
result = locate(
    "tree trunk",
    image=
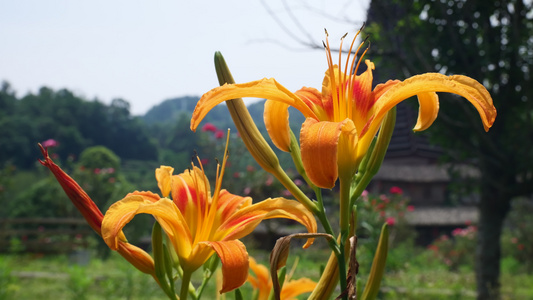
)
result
[(492, 211)]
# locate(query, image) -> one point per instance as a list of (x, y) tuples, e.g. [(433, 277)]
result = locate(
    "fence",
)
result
[(43, 235)]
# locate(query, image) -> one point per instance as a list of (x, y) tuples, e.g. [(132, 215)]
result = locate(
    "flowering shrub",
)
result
[(374, 210), (458, 249)]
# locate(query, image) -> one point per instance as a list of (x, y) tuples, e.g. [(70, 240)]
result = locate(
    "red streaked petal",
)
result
[(244, 221), (229, 203), (362, 95), (190, 190), (75, 193), (313, 98)]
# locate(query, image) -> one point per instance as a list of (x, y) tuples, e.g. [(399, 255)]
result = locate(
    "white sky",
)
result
[(149, 51)]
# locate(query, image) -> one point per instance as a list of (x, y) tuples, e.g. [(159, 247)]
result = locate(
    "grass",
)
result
[(56, 277)]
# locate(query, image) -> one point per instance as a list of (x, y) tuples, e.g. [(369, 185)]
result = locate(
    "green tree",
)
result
[(72, 121), (492, 42)]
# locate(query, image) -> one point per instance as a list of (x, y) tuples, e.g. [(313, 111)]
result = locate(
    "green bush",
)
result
[(517, 240)]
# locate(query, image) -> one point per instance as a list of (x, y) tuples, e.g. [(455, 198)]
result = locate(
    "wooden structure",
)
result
[(43, 235)]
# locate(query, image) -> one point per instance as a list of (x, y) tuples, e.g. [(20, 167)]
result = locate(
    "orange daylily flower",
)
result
[(92, 214), (200, 223), (342, 120), (263, 283)]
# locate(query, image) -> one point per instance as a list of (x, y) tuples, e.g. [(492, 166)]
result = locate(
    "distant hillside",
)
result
[(171, 110)]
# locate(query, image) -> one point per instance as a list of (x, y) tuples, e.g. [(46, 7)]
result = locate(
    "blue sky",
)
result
[(149, 51)]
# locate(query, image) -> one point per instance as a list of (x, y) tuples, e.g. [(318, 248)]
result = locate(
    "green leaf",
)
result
[(378, 266)]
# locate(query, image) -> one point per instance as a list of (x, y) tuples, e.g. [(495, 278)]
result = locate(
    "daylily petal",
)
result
[(381, 88), (464, 86), (234, 259), (319, 142), (313, 98), (245, 220), (297, 287), (361, 93), (261, 282), (165, 212), (428, 111), (137, 257), (265, 88), (229, 203), (348, 158), (276, 118), (163, 176), (147, 196), (262, 274)]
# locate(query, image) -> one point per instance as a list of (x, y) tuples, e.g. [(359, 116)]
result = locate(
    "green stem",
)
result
[(345, 207), (362, 183), (185, 280), (295, 190), (321, 215), (345, 210)]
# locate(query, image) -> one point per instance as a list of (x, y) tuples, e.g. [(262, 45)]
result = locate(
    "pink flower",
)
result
[(50, 143), (286, 193), (247, 190), (219, 134), (390, 221), (204, 161), (298, 182), (209, 127), (269, 181), (396, 190), (236, 175), (250, 168), (410, 208), (457, 231), (364, 193), (514, 240), (97, 171)]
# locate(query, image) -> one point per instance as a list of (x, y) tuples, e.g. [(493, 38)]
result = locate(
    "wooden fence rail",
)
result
[(43, 235)]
